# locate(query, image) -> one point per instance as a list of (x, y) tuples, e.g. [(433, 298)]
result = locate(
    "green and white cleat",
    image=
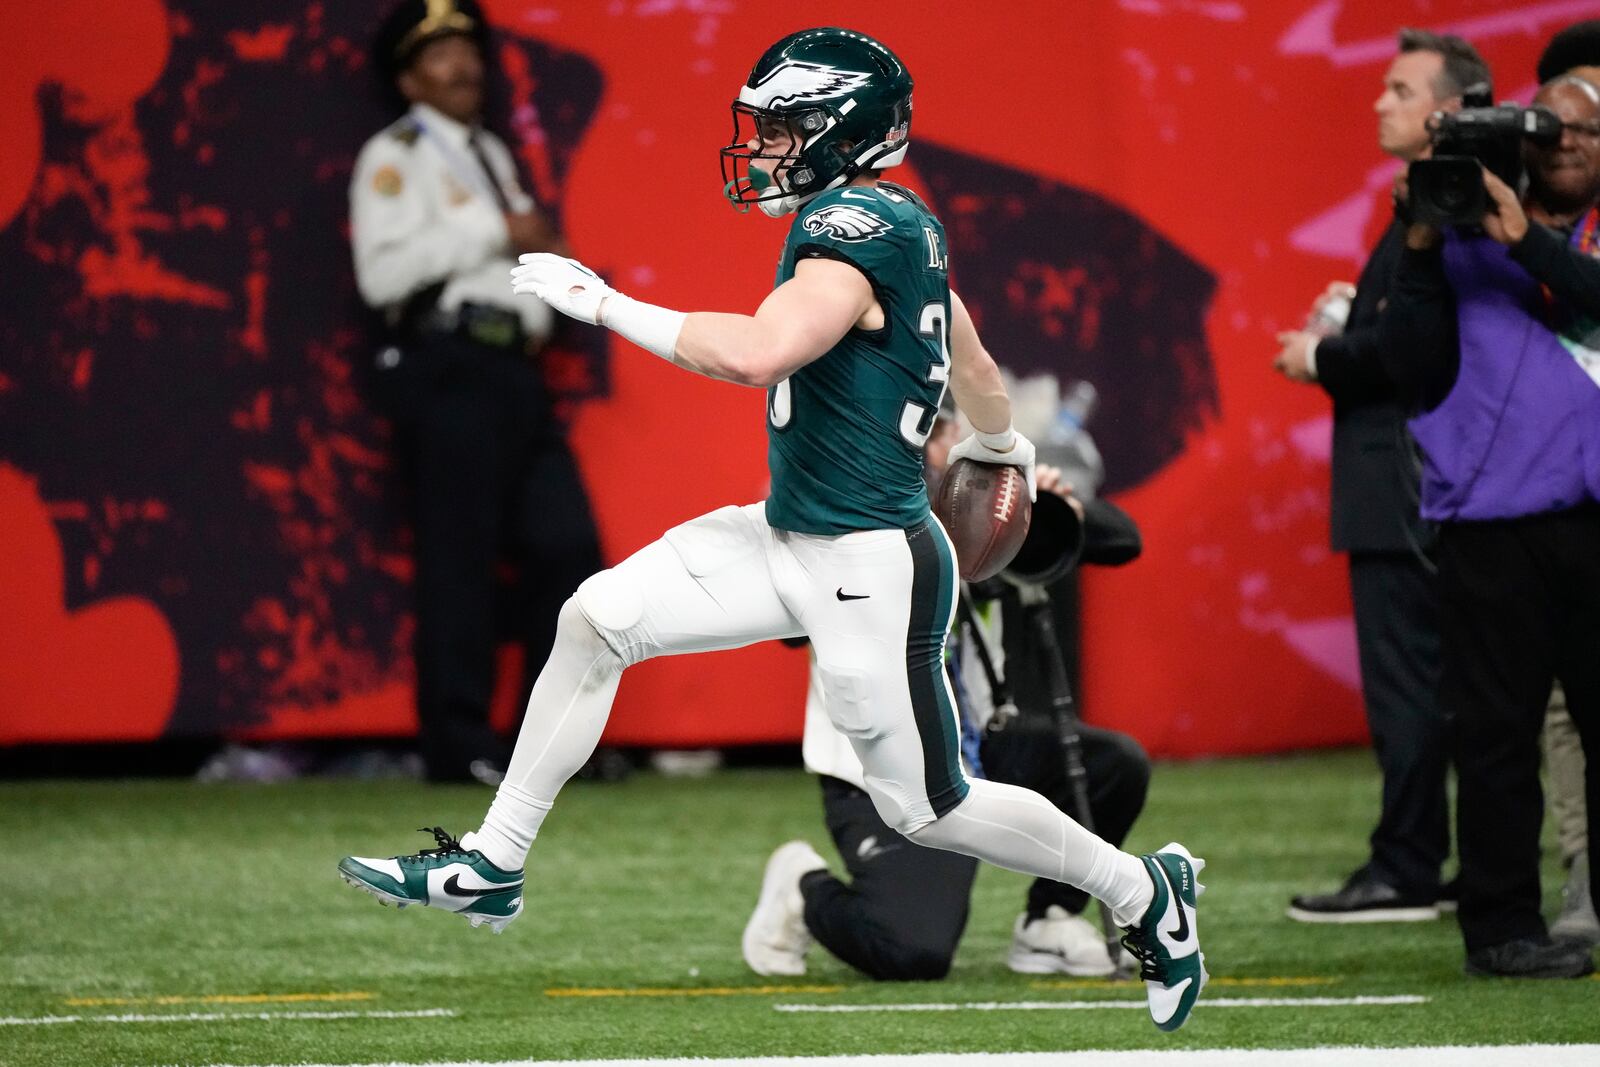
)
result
[(1166, 941), (448, 877)]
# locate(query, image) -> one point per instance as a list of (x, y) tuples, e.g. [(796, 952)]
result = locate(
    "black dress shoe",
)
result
[(1364, 899), (1529, 957)]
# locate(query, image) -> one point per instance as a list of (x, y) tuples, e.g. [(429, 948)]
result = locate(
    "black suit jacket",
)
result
[(1374, 505)]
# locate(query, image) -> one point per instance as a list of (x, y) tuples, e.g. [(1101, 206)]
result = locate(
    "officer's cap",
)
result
[(413, 23)]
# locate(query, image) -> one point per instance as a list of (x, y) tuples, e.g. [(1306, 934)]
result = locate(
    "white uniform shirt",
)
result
[(827, 751), (422, 211)]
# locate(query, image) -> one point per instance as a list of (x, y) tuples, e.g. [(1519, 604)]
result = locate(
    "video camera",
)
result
[(1053, 546), (1447, 189)]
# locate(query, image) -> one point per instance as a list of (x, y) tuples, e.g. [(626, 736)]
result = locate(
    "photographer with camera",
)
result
[(1576, 51), (903, 911), (1374, 517), (1493, 331)]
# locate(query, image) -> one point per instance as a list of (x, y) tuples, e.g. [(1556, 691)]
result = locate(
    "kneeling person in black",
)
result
[(904, 908)]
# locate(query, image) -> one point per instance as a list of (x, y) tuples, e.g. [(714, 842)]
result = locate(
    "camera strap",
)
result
[(1005, 709)]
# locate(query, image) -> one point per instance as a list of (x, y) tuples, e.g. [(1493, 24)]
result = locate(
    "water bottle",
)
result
[(1329, 319), (1067, 443)]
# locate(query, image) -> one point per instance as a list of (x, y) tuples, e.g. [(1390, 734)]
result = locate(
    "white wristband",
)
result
[(1311, 357), (997, 442), (654, 329)]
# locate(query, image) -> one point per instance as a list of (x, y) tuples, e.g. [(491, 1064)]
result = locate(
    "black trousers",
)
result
[(1397, 637), (494, 490), (902, 913), (1521, 601)]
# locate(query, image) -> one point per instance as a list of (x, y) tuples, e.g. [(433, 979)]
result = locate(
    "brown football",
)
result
[(985, 510)]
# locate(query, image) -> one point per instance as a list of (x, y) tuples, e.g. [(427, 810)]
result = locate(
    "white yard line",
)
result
[(1096, 1005), (1455, 1056), (219, 1016)]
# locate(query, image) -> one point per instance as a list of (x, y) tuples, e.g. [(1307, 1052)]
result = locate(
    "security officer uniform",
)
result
[(488, 469)]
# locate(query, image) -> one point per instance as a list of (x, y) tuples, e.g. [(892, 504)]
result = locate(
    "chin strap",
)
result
[(731, 191)]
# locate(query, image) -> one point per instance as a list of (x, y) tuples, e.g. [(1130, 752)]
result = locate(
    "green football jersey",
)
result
[(845, 432)]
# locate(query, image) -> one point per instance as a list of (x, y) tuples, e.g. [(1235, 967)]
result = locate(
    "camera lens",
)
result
[(1448, 190), (1455, 190)]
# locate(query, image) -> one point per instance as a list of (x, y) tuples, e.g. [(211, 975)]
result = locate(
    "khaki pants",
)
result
[(1563, 755)]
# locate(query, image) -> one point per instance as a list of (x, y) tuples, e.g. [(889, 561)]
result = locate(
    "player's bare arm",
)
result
[(981, 395), (974, 378), (798, 322)]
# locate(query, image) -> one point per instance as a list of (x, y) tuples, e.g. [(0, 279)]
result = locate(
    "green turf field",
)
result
[(156, 898)]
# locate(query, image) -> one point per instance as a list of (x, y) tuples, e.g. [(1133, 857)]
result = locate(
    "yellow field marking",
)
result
[(1279, 980), (218, 998), (700, 991), (1102, 983)]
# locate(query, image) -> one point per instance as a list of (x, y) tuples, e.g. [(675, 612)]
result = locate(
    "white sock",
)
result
[(1123, 881), (509, 828), (1020, 830), (567, 712)]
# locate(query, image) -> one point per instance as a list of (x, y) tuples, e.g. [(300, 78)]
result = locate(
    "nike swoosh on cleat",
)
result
[(1181, 934), (452, 887), (842, 595)]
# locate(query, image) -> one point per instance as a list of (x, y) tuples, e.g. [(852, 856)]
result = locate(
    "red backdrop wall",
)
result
[(197, 528)]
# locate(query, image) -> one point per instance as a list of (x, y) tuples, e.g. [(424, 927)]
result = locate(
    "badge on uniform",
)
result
[(457, 193), (387, 181)]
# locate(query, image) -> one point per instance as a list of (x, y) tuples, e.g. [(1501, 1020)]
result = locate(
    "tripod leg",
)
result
[(1038, 610)]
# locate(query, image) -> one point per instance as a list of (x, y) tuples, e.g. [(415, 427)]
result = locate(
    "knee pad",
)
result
[(903, 813), (890, 809), (610, 606)]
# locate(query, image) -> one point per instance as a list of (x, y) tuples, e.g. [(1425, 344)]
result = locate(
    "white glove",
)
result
[(564, 284), (985, 448)]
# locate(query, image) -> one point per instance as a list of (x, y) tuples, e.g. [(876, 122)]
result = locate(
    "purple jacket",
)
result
[(1519, 432)]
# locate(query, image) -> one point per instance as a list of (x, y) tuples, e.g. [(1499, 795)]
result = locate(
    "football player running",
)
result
[(855, 347)]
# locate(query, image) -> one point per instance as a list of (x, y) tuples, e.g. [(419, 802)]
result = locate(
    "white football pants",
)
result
[(876, 605)]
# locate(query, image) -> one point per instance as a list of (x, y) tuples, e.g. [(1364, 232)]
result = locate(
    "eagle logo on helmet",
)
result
[(796, 81), (845, 222)]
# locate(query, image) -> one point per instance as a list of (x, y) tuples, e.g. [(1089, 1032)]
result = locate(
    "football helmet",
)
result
[(820, 107)]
